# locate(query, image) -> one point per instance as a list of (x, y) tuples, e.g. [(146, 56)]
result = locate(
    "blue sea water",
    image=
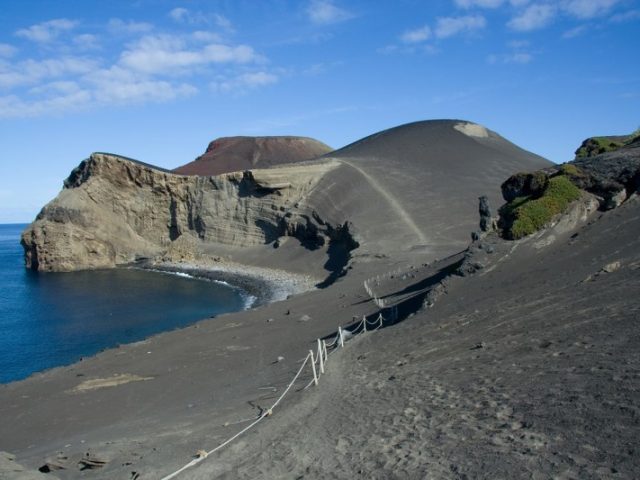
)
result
[(53, 319)]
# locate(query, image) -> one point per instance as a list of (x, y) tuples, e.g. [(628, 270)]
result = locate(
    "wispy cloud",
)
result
[(520, 53), (86, 41), (7, 50), (413, 40), (243, 82), (515, 57), (450, 26), (324, 12), (186, 16), (170, 54), (541, 14), (588, 8), (143, 68), (128, 27), (533, 17), (575, 32), (416, 36), (30, 72), (628, 16), (46, 32)]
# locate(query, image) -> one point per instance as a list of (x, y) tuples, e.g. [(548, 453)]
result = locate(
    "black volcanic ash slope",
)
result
[(415, 187)]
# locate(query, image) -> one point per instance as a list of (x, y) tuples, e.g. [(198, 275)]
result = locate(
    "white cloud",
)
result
[(588, 8), (143, 91), (179, 14), (62, 86), (29, 72), (151, 68), (7, 50), (86, 41), (222, 21), (244, 81), (128, 27), (629, 16), (12, 106), (450, 26), (416, 36), (325, 12), (168, 54), (575, 32), (47, 31), (183, 15), (533, 17), (207, 37)]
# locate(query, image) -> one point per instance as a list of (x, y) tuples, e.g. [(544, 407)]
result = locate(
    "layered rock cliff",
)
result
[(113, 210)]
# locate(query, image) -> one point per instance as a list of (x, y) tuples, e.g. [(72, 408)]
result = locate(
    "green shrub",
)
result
[(571, 170), (597, 145), (527, 215)]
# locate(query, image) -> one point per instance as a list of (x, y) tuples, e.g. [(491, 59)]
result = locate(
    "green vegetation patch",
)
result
[(526, 215), (597, 145)]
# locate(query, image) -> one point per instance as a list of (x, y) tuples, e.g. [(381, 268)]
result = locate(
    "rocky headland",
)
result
[(383, 194), (510, 350)]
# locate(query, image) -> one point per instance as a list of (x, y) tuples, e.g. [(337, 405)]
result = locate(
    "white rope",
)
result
[(320, 358), (334, 343), (266, 413)]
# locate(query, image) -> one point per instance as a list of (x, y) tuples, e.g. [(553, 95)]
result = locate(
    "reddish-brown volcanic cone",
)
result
[(232, 154)]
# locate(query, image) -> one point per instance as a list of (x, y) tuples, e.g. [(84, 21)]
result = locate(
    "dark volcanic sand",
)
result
[(528, 369)]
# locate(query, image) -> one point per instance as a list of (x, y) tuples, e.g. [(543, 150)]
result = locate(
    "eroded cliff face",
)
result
[(114, 211)]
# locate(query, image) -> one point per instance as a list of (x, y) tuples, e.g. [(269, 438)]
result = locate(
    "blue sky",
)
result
[(157, 80)]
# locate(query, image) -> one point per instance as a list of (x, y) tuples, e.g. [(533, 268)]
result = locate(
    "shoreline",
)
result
[(261, 285)]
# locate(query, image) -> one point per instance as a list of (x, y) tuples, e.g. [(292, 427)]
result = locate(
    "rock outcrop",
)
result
[(114, 210), (535, 199), (233, 154), (594, 146)]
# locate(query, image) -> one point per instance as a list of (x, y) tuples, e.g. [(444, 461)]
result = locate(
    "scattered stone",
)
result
[(280, 359), (11, 470), (478, 346), (269, 320), (90, 462), (610, 267), (201, 454), (305, 318), (485, 213), (615, 199)]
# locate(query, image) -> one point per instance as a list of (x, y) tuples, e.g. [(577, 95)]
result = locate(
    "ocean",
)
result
[(54, 319)]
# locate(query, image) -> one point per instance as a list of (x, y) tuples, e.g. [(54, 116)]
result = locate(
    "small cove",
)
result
[(54, 319)]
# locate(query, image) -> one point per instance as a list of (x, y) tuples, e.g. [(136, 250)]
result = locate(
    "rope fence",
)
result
[(317, 359)]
